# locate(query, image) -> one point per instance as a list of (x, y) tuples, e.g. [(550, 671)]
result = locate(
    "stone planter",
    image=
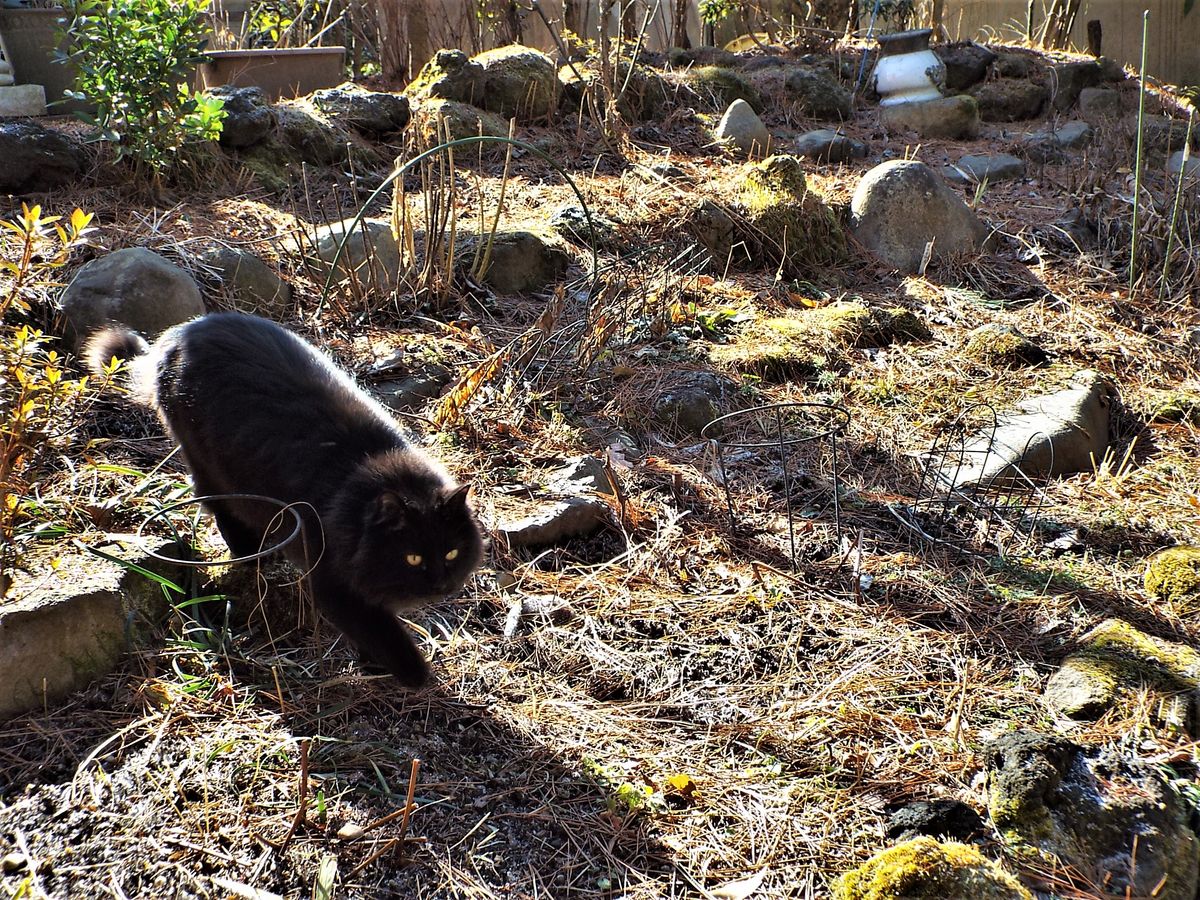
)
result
[(908, 71), (31, 37), (281, 73)]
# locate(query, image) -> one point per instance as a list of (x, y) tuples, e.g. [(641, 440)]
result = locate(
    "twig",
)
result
[(302, 809)]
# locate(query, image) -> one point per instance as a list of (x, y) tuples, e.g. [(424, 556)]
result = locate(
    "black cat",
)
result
[(257, 410)]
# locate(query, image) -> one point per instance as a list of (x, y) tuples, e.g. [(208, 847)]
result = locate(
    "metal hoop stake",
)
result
[(201, 564)]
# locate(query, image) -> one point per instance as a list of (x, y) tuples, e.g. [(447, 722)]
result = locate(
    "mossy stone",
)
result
[(1174, 575), (438, 120), (449, 75), (721, 86), (1166, 407), (519, 82), (789, 222), (926, 869), (1115, 659), (800, 344), (1002, 345)]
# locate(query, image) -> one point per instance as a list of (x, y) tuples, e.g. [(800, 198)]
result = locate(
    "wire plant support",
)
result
[(284, 508), (783, 428), (975, 491)]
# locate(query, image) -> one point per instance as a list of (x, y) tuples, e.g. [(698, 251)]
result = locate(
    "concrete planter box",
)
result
[(31, 38), (281, 73)]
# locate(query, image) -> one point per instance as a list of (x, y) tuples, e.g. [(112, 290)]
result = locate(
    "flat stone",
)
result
[(586, 472), (952, 118), (1050, 145), (976, 169), (935, 818), (741, 127), (62, 631), (554, 520), (1055, 434), (22, 100), (828, 146)]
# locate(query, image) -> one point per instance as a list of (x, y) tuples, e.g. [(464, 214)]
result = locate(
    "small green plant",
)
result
[(136, 59), (39, 406)]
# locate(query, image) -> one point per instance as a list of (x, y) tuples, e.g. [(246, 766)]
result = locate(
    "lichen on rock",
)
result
[(926, 869)]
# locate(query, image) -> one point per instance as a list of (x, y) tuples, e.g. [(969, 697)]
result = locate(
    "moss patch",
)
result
[(1173, 575), (1166, 407), (924, 869), (788, 223), (721, 86), (801, 344), (1001, 345)]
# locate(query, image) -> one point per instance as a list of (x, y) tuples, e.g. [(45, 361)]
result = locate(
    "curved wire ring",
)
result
[(839, 419), (201, 564)]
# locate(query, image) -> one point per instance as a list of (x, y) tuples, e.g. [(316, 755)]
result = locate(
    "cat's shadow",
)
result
[(495, 801)]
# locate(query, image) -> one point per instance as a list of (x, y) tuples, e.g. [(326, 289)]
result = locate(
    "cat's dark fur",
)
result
[(256, 410)]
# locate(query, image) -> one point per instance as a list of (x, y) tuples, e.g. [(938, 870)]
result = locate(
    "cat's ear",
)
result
[(390, 509), (460, 495)]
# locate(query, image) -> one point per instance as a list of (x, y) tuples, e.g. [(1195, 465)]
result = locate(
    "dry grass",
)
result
[(702, 714)]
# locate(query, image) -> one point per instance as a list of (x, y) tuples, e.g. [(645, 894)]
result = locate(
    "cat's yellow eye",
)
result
[(413, 559), (453, 554)]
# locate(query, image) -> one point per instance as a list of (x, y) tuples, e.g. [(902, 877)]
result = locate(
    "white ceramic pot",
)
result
[(907, 70)]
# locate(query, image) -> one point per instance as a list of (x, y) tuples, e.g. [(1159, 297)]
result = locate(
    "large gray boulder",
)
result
[(900, 206), (1010, 99), (1068, 79), (372, 112), (519, 82), (370, 255), (249, 118), (1115, 821), (520, 260), (134, 287), (1053, 434), (966, 64), (36, 158), (254, 285)]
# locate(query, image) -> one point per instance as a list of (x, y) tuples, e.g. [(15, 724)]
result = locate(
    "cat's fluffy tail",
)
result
[(124, 344), (103, 345)]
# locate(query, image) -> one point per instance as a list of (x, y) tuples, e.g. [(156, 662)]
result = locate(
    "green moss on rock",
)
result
[(519, 82), (1114, 660), (925, 869), (1002, 345), (721, 86), (1173, 406), (1173, 575), (788, 223), (802, 343), (449, 75)]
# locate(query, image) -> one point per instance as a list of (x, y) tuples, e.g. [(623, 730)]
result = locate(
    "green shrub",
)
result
[(136, 61), (39, 405)]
